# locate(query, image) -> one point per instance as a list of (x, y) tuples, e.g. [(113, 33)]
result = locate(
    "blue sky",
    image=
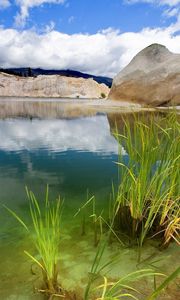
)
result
[(74, 16), (121, 27)]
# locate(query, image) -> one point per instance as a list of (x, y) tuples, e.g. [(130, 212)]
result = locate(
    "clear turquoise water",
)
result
[(75, 157)]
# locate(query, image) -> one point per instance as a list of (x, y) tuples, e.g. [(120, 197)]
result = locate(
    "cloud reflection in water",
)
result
[(91, 134)]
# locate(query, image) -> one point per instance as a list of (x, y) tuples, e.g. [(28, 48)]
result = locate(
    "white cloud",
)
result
[(4, 4), (103, 53), (25, 5), (169, 2), (49, 27), (171, 12), (157, 2), (71, 19), (171, 7)]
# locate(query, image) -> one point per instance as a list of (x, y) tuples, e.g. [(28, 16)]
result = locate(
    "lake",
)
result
[(76, 154)]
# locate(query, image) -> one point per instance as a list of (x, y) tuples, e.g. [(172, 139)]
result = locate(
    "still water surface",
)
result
[(75, 157)]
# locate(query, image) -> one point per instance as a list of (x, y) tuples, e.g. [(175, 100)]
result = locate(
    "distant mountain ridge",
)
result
[(34, 72)]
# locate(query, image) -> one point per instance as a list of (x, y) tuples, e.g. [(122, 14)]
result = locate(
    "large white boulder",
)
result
[(151, 78)]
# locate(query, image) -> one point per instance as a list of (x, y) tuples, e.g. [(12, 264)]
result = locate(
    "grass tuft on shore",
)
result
[(147, 202), (45, 233)]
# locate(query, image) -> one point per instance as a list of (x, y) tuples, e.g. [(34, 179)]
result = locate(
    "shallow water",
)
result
[(76, 157)]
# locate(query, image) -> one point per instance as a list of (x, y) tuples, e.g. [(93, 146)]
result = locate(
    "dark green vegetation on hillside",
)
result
[(31, 72)]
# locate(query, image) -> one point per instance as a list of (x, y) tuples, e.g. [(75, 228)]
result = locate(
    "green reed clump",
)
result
[(121, 289), (96, 219), (164, 284), (148, 196), (45, 232), (100, 287)]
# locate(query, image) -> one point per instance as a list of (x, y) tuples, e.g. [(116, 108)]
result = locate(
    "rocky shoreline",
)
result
[(11, 107)]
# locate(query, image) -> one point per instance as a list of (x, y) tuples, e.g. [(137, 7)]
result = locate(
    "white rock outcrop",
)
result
[(51, 86)]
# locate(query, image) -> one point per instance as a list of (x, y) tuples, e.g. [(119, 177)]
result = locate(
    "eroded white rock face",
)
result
[(51, 86), (152, 78)]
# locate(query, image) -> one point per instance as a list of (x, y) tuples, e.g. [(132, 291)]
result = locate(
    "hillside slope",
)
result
[(51, 86)]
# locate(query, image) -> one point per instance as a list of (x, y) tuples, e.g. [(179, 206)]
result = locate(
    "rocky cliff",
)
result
[(151, 78), (51, 86)]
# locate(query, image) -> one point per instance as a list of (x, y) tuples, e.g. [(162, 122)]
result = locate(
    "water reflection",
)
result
[(90, 134), (43, 108), (71, 155)]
